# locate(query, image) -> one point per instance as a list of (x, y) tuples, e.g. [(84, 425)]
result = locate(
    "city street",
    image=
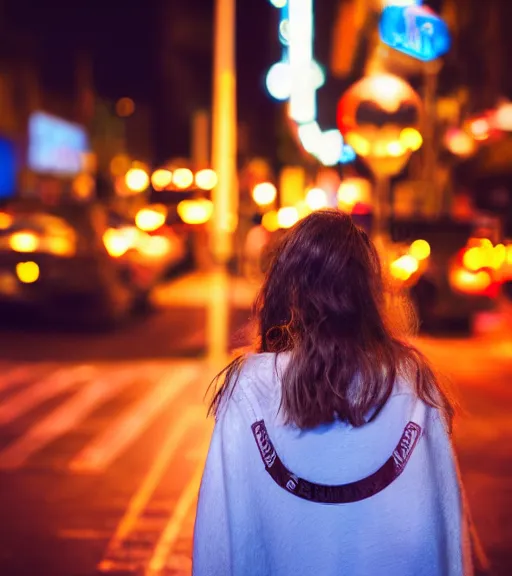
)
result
[(103, 436)]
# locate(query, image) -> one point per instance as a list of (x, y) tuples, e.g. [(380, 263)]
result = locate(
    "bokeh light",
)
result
[(24, 242), (83, 186), (459, 142), (118, 241), (270, 221), (137, 180), (279, 81), (411, 138), (27, 272), (161, 178), (5, 221), (155, 246), (183, 178), (206, 179), (354, 190), (360, 144), (420, 249), (503, 117), (404, 267), (469, 282), (120, 164), (330, 147), (151, 218), (310, 136), (395, 149), (317, 199), (287, 216), (480, 129), (125, 107), (195, 211), (264, 193)]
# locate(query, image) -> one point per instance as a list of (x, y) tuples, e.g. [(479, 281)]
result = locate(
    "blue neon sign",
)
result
[(415, 31)]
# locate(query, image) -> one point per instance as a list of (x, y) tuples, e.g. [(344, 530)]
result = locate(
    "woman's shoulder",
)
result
[(255, 382), (260, 373)]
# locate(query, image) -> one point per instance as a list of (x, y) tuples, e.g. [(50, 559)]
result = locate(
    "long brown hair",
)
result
[(324, 301)]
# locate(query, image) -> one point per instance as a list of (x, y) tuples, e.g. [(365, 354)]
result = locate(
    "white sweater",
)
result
[(248, 525)]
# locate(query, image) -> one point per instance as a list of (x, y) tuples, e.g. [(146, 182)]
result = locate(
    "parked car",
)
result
[(82, 262), (452, 272)]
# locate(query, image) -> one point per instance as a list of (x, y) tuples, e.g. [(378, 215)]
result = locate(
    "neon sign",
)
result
[(414, 30), (296, 79)]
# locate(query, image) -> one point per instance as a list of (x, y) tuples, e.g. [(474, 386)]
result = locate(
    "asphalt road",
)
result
[(102, 439)]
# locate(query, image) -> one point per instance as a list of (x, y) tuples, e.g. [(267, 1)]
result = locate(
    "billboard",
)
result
[(56, 146)]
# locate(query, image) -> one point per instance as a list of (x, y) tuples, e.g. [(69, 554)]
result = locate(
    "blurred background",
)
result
[(151, 154)]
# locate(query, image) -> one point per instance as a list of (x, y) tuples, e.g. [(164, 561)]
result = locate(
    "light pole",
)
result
[(224, 133), (225, 194)]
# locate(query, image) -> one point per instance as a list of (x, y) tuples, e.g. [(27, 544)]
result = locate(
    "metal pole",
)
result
[(225, 195)]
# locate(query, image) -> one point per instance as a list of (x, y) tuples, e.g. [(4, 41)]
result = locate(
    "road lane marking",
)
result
[(162, 552), (50, 386), (64, 418), (103, 450), (117, 555)]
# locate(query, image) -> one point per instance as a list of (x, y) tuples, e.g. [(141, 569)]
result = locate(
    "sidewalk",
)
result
[(198, 288)]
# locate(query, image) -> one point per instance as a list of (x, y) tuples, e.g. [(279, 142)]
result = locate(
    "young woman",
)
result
[(331, 453)]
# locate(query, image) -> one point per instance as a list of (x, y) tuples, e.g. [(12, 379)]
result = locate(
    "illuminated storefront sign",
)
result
[(414, 30)]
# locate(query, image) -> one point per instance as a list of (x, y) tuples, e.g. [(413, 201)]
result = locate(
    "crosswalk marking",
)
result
[(118, 555), (12, 377), (171, 532), (102, 451), (44, 389), (64, 418)]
